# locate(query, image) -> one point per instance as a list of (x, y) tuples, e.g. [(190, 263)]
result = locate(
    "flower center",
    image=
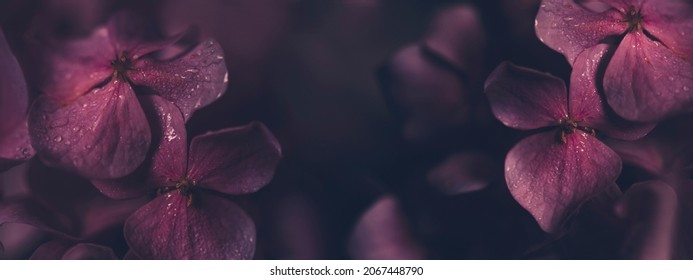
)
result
[(121, 65), (184, 186), (568, 125), (634, 19)]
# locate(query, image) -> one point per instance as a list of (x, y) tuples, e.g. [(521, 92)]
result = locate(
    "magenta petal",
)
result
[(234, 160), (523, 98), (103, 134), (191, 82), (671, 22), (586, 103), (382, 233), (169, 158), (650, 210), (75, 67), (647, 82), (211, 228), (15, 147), (551, 179), (14, 98), (88, 251), (457, 35), (569, 28), (127, 187)]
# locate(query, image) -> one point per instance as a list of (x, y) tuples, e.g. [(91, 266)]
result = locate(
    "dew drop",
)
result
[(58, 139)]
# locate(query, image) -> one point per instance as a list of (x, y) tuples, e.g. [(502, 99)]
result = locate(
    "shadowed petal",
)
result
[(212, 228), (169, 158), (671, 22), (650, 209), (646, 82), (234, 160), (103, 134), (14, 98), (191, 82), (551, 179), (523, 98), (587, 104), (382, 233), (15, 147), (51, 250), (30, 212), (463, 172), (88, 251), (128, 32), (569, 28), (75, 67)]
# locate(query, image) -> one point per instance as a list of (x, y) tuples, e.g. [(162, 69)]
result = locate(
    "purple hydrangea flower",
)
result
[(15, 145), (650, 75), (551, 173), (189, 219), (89, 119)]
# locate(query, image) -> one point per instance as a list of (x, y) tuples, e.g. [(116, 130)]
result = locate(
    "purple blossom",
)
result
[(189, 219), (551, 173), (649, 76), (89, 119), (15, 145)]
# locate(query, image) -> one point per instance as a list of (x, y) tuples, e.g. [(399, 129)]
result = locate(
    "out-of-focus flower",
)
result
[(56, 250), (189, 219), (551, 173), (89, 119), (650, 75), (15, 145)]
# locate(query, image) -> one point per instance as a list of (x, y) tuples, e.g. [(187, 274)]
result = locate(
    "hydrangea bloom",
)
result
[(89, 119), (650, 75), (189, 219), (15, 146), (551, 173)]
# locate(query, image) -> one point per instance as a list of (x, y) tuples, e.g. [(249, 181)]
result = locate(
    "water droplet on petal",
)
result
[(58, 139)]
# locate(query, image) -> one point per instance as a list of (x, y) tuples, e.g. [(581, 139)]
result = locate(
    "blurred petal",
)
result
[(457, 35), (15, 147), (51, 250), (586, 103), (75, 67), (14, 97), (30, 212), (130, 186), (128, 32), (103, 134), (430, 99), (211, 228), (383, 233), (88, 251), (523, 98), (191, 82), (647, 82), (672, 23), (650, 210), (169, 158), (569, 28), (551, 179), (462, 173), (234, 160)]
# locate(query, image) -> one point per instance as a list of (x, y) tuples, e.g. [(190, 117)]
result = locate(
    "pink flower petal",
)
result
[(586, 103), (103, 134), (523, 98), (671, 22), (234, 160), (169, 158), (211, 228), (650, 209), (647, 82), (191, 82), (382, 233), (14, 97), (457, 35), (15, 147), (551, 179), (75, 67), (569, 28)]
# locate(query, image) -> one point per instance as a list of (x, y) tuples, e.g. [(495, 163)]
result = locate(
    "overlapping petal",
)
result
[(14, 98), (192, 81), (458, 36), (236, 160), (551, 179), (15, 146), (569, 28), (169, 158), (586, 102), (671, 22), (645, 81), (523, 98), (103, 134), (212, 228)]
